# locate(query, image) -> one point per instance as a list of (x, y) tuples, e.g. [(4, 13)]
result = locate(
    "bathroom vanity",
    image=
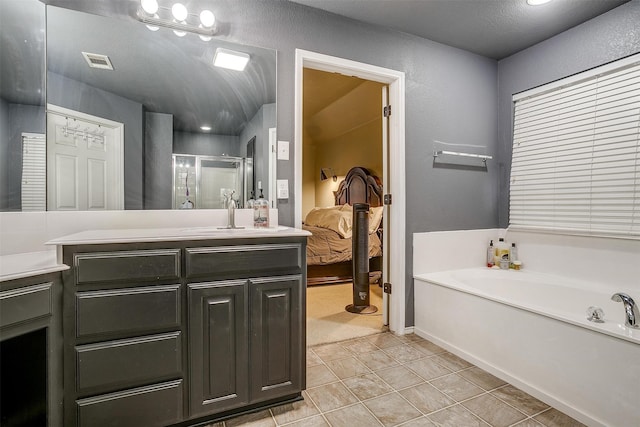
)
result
[(179, 326)]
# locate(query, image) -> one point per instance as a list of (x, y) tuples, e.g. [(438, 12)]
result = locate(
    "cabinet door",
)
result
[(217, 346), (277, 342)]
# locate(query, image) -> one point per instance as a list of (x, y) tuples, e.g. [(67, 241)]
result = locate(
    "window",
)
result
[(576, 154)]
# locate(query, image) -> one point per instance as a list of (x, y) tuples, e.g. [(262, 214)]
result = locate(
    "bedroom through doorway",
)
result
[(342, 164)]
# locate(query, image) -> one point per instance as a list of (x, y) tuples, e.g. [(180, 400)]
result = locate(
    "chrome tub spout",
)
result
[(632, 315)]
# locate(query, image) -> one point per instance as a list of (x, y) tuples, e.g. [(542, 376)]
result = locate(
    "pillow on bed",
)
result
[(375, 216), (333, 218)]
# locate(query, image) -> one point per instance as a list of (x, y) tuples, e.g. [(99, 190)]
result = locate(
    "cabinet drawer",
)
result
[(132, 266), (157, 405), (243, 261), (116, 365), (29, 302), (127, 311)]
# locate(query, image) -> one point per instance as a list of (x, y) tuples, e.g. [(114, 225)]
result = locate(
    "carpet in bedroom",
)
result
[(328, 321)]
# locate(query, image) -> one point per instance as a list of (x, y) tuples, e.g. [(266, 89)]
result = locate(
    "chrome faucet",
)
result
[(231, 211), (630, 309)]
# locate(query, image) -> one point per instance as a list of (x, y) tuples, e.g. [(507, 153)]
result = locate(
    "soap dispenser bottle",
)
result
[(491, 253), (261, 212)]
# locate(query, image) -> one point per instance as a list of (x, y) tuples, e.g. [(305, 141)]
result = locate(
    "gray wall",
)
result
[(259, 126), (15, 119), (451, 95), (206, 144), (611, 36), (158, 146), (78, 96)]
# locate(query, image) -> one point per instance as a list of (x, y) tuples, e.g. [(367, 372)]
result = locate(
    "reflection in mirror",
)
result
[(22, 114), (163, 92)]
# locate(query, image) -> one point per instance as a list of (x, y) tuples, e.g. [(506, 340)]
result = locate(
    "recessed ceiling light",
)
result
[(205, 128), (537, 2), (230, 59)]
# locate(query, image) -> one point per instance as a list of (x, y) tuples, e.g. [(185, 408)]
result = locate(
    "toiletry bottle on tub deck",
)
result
[(491, 253), (502, 254)]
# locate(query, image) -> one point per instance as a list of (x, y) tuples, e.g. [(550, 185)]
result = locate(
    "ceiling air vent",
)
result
[(98, 61)]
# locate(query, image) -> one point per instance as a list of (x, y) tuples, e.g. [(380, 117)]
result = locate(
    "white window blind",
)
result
[(576, 154), (34, 165)]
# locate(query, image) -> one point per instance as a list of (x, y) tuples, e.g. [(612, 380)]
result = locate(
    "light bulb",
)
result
[(149, 6), (153, 27), (179, 11), (207, 18), (179, 33), (537, 2), (204, 38)]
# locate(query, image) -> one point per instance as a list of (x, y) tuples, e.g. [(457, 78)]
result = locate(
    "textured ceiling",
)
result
[(492, 28)]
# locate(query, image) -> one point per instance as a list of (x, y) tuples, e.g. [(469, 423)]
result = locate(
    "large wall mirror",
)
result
[(137, 117)]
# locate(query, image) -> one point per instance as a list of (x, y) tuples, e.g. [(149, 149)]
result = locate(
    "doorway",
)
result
[(393, 163)]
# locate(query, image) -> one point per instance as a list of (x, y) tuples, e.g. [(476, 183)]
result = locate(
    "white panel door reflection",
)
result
[(84, 161)]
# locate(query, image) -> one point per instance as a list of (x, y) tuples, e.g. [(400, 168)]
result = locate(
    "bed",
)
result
[(329, 248)]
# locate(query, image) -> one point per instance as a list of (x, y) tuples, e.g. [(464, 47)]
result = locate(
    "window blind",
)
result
[(34, 164), (576, 155)]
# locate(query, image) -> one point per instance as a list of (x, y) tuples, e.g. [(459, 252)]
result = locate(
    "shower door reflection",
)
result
[(200, 182)]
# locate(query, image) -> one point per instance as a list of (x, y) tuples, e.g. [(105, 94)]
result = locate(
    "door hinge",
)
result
[(386, 111), (386, 199), (386, 288)]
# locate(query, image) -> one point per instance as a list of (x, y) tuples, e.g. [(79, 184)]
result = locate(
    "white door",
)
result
[(84, 162)]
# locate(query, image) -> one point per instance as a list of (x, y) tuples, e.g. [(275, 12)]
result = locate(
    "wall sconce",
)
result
[(177, 18), (325, 173)]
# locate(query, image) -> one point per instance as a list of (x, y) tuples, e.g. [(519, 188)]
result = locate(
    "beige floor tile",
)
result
[(392, 409), (257, 419), (317, 421), (456, 387), (319, 375), (220, 424), (456, 416), (451, 361), (520, 400), (493, 410), (482, 378), (427, 368), (332, 351), (377, 360), (352, 416), (404, 353), (427, 398), (427, 347), (399, 377), (384, 340), (312, 358), (529, 422), (367, 386), (418, 422), (295, 411), (346, 368), (360, 346), (555, 418), (331, 396)]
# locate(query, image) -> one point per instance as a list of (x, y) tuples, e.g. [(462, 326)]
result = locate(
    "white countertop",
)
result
[(135, 235), (17, 266)]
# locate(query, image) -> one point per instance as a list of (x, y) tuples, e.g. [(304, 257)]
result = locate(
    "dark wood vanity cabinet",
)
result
[(159, 334)]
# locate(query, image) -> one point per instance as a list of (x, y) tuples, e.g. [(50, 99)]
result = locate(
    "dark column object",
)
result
[(360, 261)]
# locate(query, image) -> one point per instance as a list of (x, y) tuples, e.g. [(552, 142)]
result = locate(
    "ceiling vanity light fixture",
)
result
[(537, 2), (177, 18), (230, 59)]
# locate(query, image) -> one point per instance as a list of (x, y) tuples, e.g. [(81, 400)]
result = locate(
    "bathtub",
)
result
[(530, 329)]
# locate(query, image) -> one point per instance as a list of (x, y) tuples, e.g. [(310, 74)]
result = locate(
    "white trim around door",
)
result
[(397, 186)]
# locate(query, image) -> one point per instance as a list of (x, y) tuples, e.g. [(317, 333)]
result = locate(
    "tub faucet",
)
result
[(630, 309)]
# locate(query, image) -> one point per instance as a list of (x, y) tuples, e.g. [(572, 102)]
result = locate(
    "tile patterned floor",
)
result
[(387, 380)]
